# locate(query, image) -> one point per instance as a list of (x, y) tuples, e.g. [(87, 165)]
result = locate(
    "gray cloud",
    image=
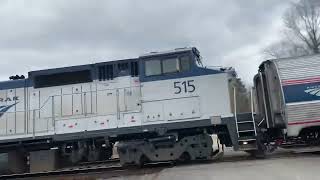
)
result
[(44, 34)]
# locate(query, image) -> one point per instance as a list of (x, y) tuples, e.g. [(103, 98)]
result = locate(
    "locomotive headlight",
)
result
[(245, 142)]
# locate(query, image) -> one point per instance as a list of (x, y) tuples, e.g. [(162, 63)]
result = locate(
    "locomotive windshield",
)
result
[(170, 65), (167, 65), (153, 67)]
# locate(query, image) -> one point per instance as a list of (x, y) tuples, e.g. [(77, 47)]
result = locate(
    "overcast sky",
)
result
[(45, 33)]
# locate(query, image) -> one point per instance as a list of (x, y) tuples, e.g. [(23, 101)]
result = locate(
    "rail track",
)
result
[(113, 168), (62, 172), (86, 168)]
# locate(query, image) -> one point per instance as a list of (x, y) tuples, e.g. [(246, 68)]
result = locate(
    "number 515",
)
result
[(186, 86)]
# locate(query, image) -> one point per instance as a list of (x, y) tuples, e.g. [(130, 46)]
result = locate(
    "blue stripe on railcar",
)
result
[(302, 92)]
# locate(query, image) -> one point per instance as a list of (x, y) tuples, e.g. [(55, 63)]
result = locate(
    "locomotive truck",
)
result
[(161, 106)]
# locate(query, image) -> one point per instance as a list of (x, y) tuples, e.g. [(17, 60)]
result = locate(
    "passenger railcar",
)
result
[(288, 94)]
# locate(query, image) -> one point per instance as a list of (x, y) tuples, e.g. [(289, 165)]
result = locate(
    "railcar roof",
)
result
[(289, 58)]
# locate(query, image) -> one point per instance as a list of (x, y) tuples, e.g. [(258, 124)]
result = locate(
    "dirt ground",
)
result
[(239, 166)]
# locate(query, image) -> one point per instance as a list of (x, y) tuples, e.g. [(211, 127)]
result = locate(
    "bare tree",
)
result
[(302, 32), (303, 21), (285, 48)]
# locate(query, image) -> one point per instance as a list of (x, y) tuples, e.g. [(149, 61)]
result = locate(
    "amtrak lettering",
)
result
[(313, 90), (4, 109), (9, 99), (302, 92)]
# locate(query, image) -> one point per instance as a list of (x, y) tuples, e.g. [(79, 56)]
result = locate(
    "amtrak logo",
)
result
[(313, 90), (8, 99), (4, 109)]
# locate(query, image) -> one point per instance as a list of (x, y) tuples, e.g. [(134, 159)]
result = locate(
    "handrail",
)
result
[(34, 124), (44, 103), (53, 116), (49, 97), (34, 111), (235, 108), (186, 97), (264, 100), (252, 111)]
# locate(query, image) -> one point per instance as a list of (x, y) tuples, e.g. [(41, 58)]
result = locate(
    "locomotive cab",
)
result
[(175, 87), (171, 64)]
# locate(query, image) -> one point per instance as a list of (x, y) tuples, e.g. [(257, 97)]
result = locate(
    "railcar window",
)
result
[(153, 67), (170, 65), (184, 63), (64, 78)]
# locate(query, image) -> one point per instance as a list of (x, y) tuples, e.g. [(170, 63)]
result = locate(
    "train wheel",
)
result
[(75, 157), (93, 155), (184, 158), (78, 152), (106, 153), (142, 161), (260, 152)]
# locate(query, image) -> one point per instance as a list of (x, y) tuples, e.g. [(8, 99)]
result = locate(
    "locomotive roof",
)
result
[(75, 68), (89, 66), (27, 82), (174, 51), (11, 84)]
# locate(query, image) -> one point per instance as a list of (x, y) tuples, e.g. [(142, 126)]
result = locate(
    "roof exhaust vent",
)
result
[(16, 77)]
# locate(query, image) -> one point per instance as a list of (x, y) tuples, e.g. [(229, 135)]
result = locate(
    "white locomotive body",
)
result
[(91, 106), (83, 100)]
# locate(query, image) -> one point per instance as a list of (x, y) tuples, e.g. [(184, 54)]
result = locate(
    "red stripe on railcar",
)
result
[(303, 122), (300, 81)]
